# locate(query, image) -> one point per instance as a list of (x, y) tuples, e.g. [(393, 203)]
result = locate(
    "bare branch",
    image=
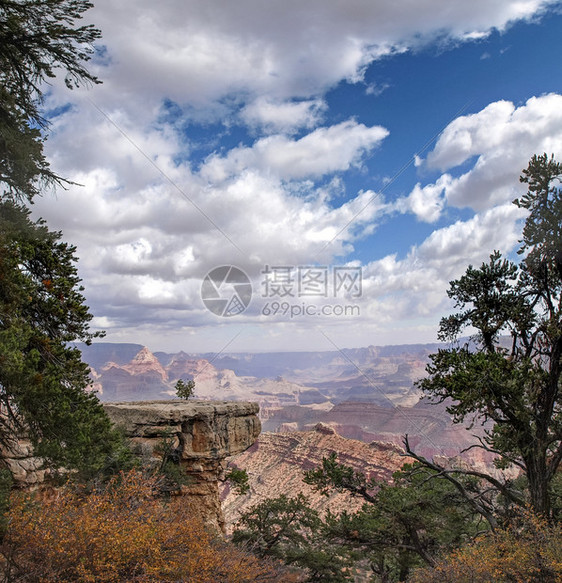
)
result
[(485, 447), (450, 475)]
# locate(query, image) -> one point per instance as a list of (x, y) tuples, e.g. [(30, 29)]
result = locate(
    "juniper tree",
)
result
[(38, 39), (402, 524), (515, 388), (43, 380)]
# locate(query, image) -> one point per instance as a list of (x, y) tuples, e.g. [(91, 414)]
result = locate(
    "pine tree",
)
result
[(517, 389), (43, 380)]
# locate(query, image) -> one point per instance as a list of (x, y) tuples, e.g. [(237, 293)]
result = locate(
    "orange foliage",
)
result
[(531, 551), (120, 534)]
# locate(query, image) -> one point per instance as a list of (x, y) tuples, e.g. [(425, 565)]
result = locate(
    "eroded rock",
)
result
[(276, 462), (206, 432), (26, 469)]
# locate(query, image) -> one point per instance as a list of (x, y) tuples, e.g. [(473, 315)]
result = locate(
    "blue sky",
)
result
[(382, 137), (427, 89)]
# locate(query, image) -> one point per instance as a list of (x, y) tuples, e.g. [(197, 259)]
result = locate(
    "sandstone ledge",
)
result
[(206, 429), (206, 433)]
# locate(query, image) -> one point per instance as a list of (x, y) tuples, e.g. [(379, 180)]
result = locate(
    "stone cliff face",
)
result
[(430, 428), (276, 461), (206, 434)]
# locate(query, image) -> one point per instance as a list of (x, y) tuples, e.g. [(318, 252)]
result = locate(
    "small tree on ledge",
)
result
[(185, 390)]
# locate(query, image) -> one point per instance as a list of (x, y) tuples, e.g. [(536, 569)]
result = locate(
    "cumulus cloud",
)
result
[(501, 138), (426, 202), (445, 254), (148, 233), (414, 287), (195, 51), (152, 219), (472, 241), (470, 135), (283, 116), (325, 150)]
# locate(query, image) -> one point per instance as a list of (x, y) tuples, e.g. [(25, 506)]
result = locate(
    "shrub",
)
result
[(185, 390), (529, 551), (121, 533)]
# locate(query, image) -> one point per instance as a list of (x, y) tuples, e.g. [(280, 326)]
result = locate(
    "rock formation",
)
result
[(26, 469), (142, 376), (206, 434), (276, 461), (145, 362), (430, 428), (380, 375)]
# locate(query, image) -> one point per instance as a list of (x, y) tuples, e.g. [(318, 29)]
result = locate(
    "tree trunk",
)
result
[(537, 476)]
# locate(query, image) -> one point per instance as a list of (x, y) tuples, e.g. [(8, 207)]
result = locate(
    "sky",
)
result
[(338, 161)]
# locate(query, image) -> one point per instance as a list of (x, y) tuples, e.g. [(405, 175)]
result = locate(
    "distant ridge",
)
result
[(258, 364), (99, 353), (364, 393)]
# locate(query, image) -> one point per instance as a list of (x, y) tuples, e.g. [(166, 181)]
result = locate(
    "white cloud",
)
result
[(376, 90), (283, 116), (197, 51), (425, 202), (502, 138), (415, 287), (472, 241), (136, 234), (471, 135), (323, 151)]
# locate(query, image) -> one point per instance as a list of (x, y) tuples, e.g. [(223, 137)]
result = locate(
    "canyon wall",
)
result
[(206, 434), (276, 461)]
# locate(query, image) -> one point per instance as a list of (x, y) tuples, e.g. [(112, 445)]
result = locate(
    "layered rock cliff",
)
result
[(207, 433), (276, 462), (430, 428)]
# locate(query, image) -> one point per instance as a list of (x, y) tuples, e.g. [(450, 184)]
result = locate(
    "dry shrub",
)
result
[(122, 533), (530, 551)]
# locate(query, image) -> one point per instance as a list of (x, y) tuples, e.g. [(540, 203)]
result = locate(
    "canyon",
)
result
[(382, 375), (368, 394), (276, 462), (208, 438)]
